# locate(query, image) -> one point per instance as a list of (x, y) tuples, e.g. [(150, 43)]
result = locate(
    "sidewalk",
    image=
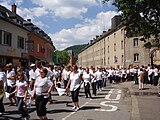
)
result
[(145, 105)]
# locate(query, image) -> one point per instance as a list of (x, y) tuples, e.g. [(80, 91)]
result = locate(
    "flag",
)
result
[(60, 91)]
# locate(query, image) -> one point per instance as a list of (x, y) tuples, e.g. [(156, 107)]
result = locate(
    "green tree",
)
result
[(141, 18), (62, 57)]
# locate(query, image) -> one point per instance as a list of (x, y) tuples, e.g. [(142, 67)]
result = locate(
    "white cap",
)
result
[(32, 65)]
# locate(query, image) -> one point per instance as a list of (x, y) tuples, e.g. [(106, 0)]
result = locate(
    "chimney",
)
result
[(14, 7), (29, 20)]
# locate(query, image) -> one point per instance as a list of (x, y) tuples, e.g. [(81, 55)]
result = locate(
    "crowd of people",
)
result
[(39, 81)]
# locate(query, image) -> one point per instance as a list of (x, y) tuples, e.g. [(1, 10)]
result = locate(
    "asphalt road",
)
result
[(112, 103)]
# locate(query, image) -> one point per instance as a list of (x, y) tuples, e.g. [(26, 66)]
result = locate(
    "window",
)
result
[(136, 57), (122, 58), (38, 48), (114, 46), (122, 45), (135, 42), (154, 54), (114, 35), (29, 45), (20, 42), (115, 59), (108, 61), (0, 36), (121, 31), (7, 38), (108, 49)]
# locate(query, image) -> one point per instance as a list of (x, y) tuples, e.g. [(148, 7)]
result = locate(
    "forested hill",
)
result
[(76, 49)]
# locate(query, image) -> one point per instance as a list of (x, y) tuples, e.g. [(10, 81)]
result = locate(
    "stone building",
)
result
[(114, 49)]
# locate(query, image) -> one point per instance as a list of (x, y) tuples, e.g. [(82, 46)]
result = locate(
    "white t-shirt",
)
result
[(3, 77), (65, 74), (86, 77), (32, 75), (75, 80), (21, 87), (98, 75), (42, 85), (37, 73), (10, 74)]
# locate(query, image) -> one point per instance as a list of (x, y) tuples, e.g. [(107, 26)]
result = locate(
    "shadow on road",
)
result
[(89, 107), (58, 111)]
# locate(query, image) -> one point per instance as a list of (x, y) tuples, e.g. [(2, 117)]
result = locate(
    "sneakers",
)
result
[(77, 108), (26, 118), (74, 108), (1, 114)]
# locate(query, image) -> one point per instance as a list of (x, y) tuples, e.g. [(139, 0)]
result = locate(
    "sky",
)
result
[(67, 22)]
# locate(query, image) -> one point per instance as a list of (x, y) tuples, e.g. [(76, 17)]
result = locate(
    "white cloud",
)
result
[(66, 8), (70, 12), (82, 33)]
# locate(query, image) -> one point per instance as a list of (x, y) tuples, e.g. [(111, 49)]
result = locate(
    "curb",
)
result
[(134, 103)]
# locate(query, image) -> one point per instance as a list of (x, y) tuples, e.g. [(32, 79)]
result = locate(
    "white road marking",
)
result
[(107, 97), (74, 112), (113, 108)]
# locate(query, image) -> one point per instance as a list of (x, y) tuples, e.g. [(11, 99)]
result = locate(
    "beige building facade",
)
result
[(114, 49)]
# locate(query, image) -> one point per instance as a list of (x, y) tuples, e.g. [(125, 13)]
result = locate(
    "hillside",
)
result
[(76, 49)]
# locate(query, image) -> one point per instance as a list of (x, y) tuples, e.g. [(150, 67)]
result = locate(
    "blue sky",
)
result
[(67, 22)]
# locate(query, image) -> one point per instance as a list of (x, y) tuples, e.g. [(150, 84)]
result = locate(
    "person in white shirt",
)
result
[(21, 89), (159, 84), (38, 68), (87, 80), (93, 82), (2, 88), (98, 76), (65, 76), (155, 80), (42, 89), (56, 76), (11, 81), (141, 79), (32, 76), (150, 74), (75, 83)]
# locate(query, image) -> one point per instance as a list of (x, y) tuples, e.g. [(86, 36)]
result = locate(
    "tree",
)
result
[(141, 18), (62, 57)]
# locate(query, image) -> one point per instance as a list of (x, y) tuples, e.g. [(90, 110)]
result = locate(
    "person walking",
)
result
[(75, 83), (32, 76), (98, 76), (141, 79), (87, 80), (43, 86), (2, 88), (21, 89), (11, 81), (93, 82)]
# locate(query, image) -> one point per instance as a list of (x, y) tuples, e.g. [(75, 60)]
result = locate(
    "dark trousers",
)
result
[(87, 89), (41, 105), (75, 95), (99, 84), (65, 83), (155, 82), (104, 82), (1, 105), (20, 104), (94, 88)]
